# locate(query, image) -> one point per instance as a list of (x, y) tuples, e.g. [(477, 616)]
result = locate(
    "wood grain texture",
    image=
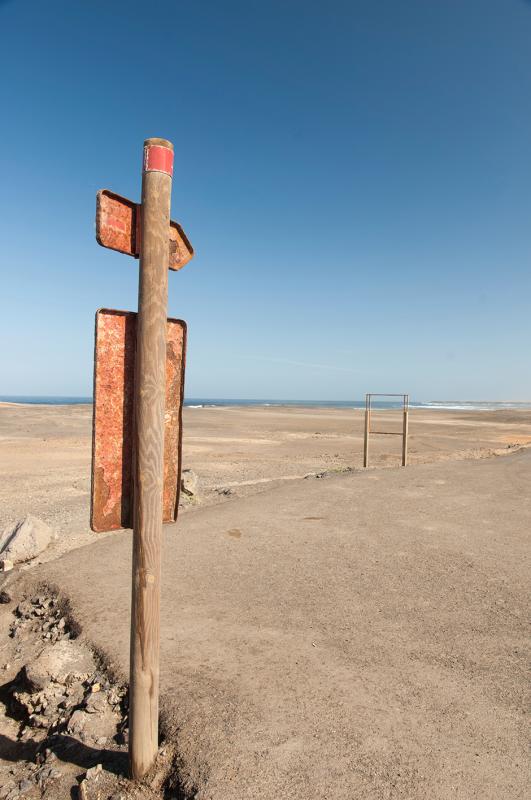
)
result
[(148, 472)]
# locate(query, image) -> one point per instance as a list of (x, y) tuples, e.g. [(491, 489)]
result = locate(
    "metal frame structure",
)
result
[(403, 434)]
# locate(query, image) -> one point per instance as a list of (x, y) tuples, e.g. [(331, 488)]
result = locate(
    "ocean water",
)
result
[(449, 405), (44, 399), (201, 402)]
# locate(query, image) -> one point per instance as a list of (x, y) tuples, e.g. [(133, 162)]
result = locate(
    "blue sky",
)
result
[(355, 178)]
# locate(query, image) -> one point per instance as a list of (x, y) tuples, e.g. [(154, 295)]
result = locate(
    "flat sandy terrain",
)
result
[(45, 452), (359, 636)]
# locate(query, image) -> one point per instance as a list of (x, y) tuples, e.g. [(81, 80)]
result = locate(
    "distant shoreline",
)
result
[(200, 403)]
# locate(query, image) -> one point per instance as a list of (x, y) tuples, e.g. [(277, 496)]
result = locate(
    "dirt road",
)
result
[(360, 636)]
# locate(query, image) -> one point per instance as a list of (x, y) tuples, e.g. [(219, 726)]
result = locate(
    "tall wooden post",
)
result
[(405, 430), (367, 429), (150, 383)]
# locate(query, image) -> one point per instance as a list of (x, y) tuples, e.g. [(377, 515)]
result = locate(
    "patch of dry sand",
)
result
[(356, 637), (45, 452)]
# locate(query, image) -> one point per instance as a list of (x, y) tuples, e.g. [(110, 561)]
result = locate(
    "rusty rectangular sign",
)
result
[(118, 227), (113, 419)]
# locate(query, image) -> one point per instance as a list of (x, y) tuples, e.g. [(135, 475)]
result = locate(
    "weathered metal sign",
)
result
[(118, 227), (113, 421)]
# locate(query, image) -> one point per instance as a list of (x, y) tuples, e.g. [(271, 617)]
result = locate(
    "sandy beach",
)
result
[(327, 631), (235, 451)]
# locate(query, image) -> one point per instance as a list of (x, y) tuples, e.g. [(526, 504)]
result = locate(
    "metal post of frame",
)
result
[(405, 430), (368, 431)]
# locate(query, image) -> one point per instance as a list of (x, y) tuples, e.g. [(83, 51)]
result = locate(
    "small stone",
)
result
[(93, 773), (5, 597), (49, 755), (189, 482), (39, 721), (25, 786), (104, 723), (95, 687), (96, 703), (6, 565), (6, 789), (114, 696), (49, 774), (77, 722), (26, 701), (82, 790)]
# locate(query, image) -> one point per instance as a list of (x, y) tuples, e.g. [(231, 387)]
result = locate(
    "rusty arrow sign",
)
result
[(118, 226)]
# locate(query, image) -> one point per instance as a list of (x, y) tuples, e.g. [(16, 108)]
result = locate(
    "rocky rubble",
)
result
[(62, 687), (59, 694), (44, 615), (71, 717)]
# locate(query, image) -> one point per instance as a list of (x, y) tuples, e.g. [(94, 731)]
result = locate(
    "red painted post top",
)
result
[(158, 159)]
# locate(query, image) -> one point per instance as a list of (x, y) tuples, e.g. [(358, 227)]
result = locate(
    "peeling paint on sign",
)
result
[(118, 227), (113, 419)]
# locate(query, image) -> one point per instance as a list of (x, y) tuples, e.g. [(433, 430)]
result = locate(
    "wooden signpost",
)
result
[(138, 392)]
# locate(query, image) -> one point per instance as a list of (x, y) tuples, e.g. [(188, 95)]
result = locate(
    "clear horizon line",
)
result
[(13, 397)]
